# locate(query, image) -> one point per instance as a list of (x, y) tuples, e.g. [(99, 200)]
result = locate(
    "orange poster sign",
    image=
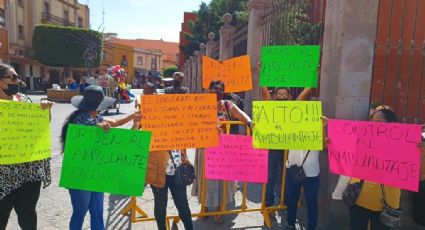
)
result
[(235, 73), (180, 121)]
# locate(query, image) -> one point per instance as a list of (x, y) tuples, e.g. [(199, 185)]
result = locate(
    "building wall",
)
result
[(169, 50), (4, 42), (188, 16), (147, 59), (3, 35), (118, 51), (84, 13), (29, 15)]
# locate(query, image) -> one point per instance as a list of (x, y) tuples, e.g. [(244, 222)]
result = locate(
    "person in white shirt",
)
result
[(309, 161)]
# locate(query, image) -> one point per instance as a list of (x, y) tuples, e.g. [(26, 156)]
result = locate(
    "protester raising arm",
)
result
[(111, 123), (241, 116), (304, 94)]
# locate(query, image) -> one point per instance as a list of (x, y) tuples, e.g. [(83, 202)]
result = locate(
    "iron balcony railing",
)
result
[(50, 18)]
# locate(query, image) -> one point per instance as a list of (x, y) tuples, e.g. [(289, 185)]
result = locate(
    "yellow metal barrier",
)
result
[(133, 209)]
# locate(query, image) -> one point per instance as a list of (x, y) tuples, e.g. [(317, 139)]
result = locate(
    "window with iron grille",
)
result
[(20, 3), (2, 18), (153, 63), (47, 8), (21, 31), (139, 60), (80, 22), (66, 17)]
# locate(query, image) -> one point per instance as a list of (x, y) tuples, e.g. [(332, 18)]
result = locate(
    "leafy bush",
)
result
[(66, 46)]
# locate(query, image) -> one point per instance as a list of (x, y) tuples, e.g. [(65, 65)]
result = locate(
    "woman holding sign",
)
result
[(369, 203), (161, 175), (20, 183), (89, 105), (225, 110), (419, 201)]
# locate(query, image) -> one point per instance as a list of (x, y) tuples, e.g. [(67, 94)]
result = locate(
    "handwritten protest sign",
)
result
[(292, 125), (384, 153), (180, 121), (235, 160), (99, 161), (24, 132), (289, 66), (235, 73)]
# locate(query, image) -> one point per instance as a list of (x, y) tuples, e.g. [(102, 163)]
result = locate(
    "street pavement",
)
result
[(54, 206)]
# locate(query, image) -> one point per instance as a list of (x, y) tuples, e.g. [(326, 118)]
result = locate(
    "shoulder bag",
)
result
[(352, 192), (297, 172), (389, 216), (184, 174)]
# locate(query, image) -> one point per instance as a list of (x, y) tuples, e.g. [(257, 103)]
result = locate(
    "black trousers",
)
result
[(180, 200), (24, 201), (360, 217), (419, 204)]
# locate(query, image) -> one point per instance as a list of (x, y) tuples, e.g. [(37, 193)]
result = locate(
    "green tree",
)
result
[(168, 72), (210, 19), (293, 26), (67, 46)]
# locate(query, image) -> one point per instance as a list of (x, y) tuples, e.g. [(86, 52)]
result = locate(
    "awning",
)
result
[(141, 71), (154, 73)]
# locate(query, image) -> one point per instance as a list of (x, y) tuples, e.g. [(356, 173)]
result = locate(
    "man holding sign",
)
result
[(270, 133), (25, 128)]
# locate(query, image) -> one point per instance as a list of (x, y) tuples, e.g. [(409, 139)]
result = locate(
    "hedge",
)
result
[(64, 46)]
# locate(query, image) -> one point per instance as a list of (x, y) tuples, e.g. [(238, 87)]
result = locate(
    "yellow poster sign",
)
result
[(24, 132), (293, 125)]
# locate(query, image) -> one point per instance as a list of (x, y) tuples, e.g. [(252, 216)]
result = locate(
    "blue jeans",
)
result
[(81, 202), (311, 191), (275, 160)]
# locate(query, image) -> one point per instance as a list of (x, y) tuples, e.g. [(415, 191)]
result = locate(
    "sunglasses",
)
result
[(12, 77), (218, 88)]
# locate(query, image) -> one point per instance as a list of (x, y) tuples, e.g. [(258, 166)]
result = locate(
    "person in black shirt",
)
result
[(177, 87)]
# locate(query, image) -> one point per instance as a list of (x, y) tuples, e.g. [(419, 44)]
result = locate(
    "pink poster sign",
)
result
[(384, 153), (236, 160)]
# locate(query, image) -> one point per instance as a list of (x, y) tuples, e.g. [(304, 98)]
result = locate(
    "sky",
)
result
[(148, 19)]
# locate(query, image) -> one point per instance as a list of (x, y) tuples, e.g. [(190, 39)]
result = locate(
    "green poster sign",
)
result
[(113, 162), (293, 125), (289, 66)]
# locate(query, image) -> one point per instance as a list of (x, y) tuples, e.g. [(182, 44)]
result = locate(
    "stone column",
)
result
[(192, 73), (209, 46), (346, 78), (226, 41), (257, 9), (196, 62), (186, 72), (199, 78)]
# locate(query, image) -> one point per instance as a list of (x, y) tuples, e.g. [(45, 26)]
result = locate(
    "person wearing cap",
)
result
[(89, 104), (177, 87), (20, 183)]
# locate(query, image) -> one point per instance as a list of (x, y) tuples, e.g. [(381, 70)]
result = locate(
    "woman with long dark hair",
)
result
[(89, 105)]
